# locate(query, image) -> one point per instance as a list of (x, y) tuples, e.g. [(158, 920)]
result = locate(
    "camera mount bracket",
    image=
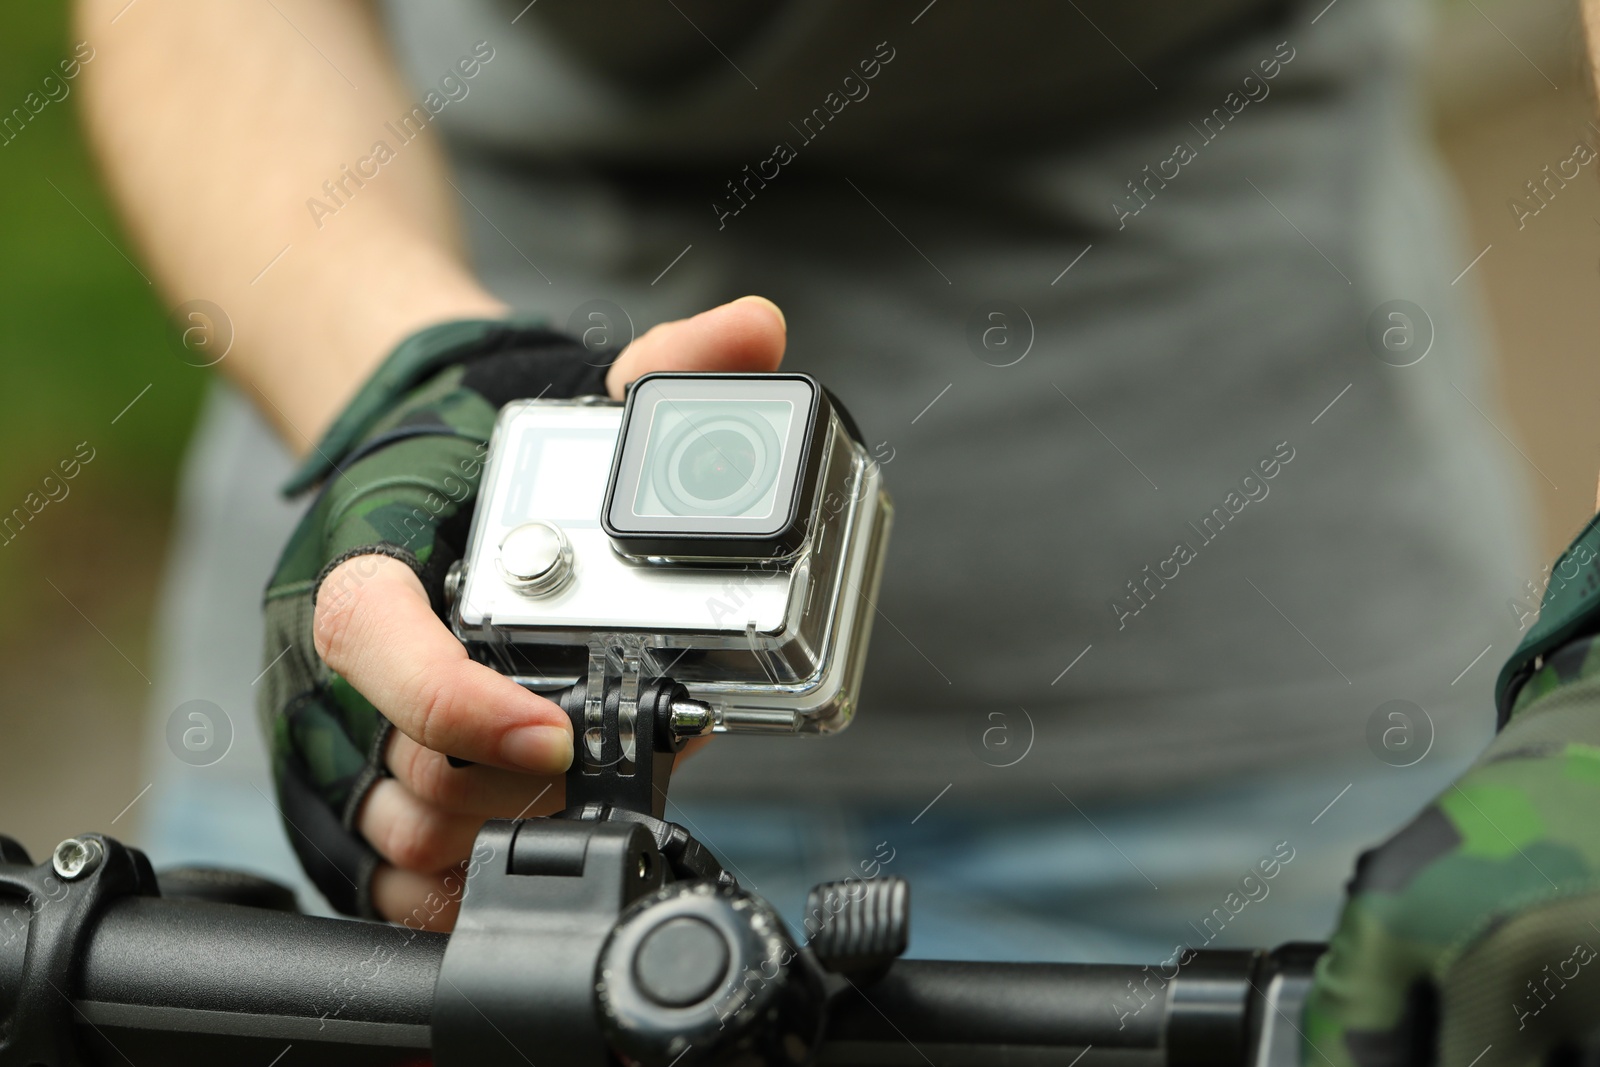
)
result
[(628, 727)]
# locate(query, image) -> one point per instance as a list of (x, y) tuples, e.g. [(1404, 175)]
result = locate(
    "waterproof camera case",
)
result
[(726, 528)]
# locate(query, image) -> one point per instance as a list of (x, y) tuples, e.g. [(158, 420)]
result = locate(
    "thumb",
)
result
[(747, 334)]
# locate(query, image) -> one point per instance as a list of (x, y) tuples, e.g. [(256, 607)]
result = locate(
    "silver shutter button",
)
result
[(535, 558)]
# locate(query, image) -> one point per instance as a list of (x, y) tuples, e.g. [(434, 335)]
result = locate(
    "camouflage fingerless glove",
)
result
[(399, 473), (1472, 932)]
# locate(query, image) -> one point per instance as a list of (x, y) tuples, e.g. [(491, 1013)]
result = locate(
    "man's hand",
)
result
[(1471, 936), (378, 646), (1472, 932)]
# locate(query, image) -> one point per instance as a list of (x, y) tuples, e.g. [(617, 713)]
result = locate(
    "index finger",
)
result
[(747, 334), (374, 625)]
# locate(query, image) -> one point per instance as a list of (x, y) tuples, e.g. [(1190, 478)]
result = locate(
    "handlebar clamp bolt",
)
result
[(76, 857)]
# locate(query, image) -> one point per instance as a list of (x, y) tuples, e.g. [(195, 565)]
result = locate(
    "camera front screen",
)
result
[(713, 465)]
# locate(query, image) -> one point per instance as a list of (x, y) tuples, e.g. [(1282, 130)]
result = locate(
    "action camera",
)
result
[(726, 528)]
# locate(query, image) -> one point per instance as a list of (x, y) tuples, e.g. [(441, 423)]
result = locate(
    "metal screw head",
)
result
[(76, 857), (453, 577), (691, 718)]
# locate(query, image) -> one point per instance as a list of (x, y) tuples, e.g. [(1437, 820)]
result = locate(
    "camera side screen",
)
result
[(559, 477), (714, 466)]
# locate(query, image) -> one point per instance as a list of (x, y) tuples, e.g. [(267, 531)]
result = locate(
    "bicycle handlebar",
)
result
[(189, 981), (176, 981), (180, 980)]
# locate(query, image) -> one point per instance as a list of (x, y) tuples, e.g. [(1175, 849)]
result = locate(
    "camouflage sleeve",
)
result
[(1467, 937), (399, 475)]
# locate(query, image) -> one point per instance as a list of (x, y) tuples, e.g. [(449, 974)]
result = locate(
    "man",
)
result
[(1183, 506)]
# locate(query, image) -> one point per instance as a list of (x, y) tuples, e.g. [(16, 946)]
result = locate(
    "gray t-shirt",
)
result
[(1184, 524), (703, 82)]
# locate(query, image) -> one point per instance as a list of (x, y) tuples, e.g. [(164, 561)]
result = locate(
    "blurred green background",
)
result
[(83, 334)]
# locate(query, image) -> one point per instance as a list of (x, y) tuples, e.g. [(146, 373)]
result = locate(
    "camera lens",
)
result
[(717, 467), (719, 463)]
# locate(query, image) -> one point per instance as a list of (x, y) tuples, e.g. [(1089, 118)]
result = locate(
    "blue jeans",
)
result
[(1090, 882), (1096, 883)]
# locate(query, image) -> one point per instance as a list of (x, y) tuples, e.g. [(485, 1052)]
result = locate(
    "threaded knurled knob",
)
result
[(859, 925)]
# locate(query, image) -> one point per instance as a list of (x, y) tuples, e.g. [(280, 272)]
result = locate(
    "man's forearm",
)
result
[(215, 123)]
